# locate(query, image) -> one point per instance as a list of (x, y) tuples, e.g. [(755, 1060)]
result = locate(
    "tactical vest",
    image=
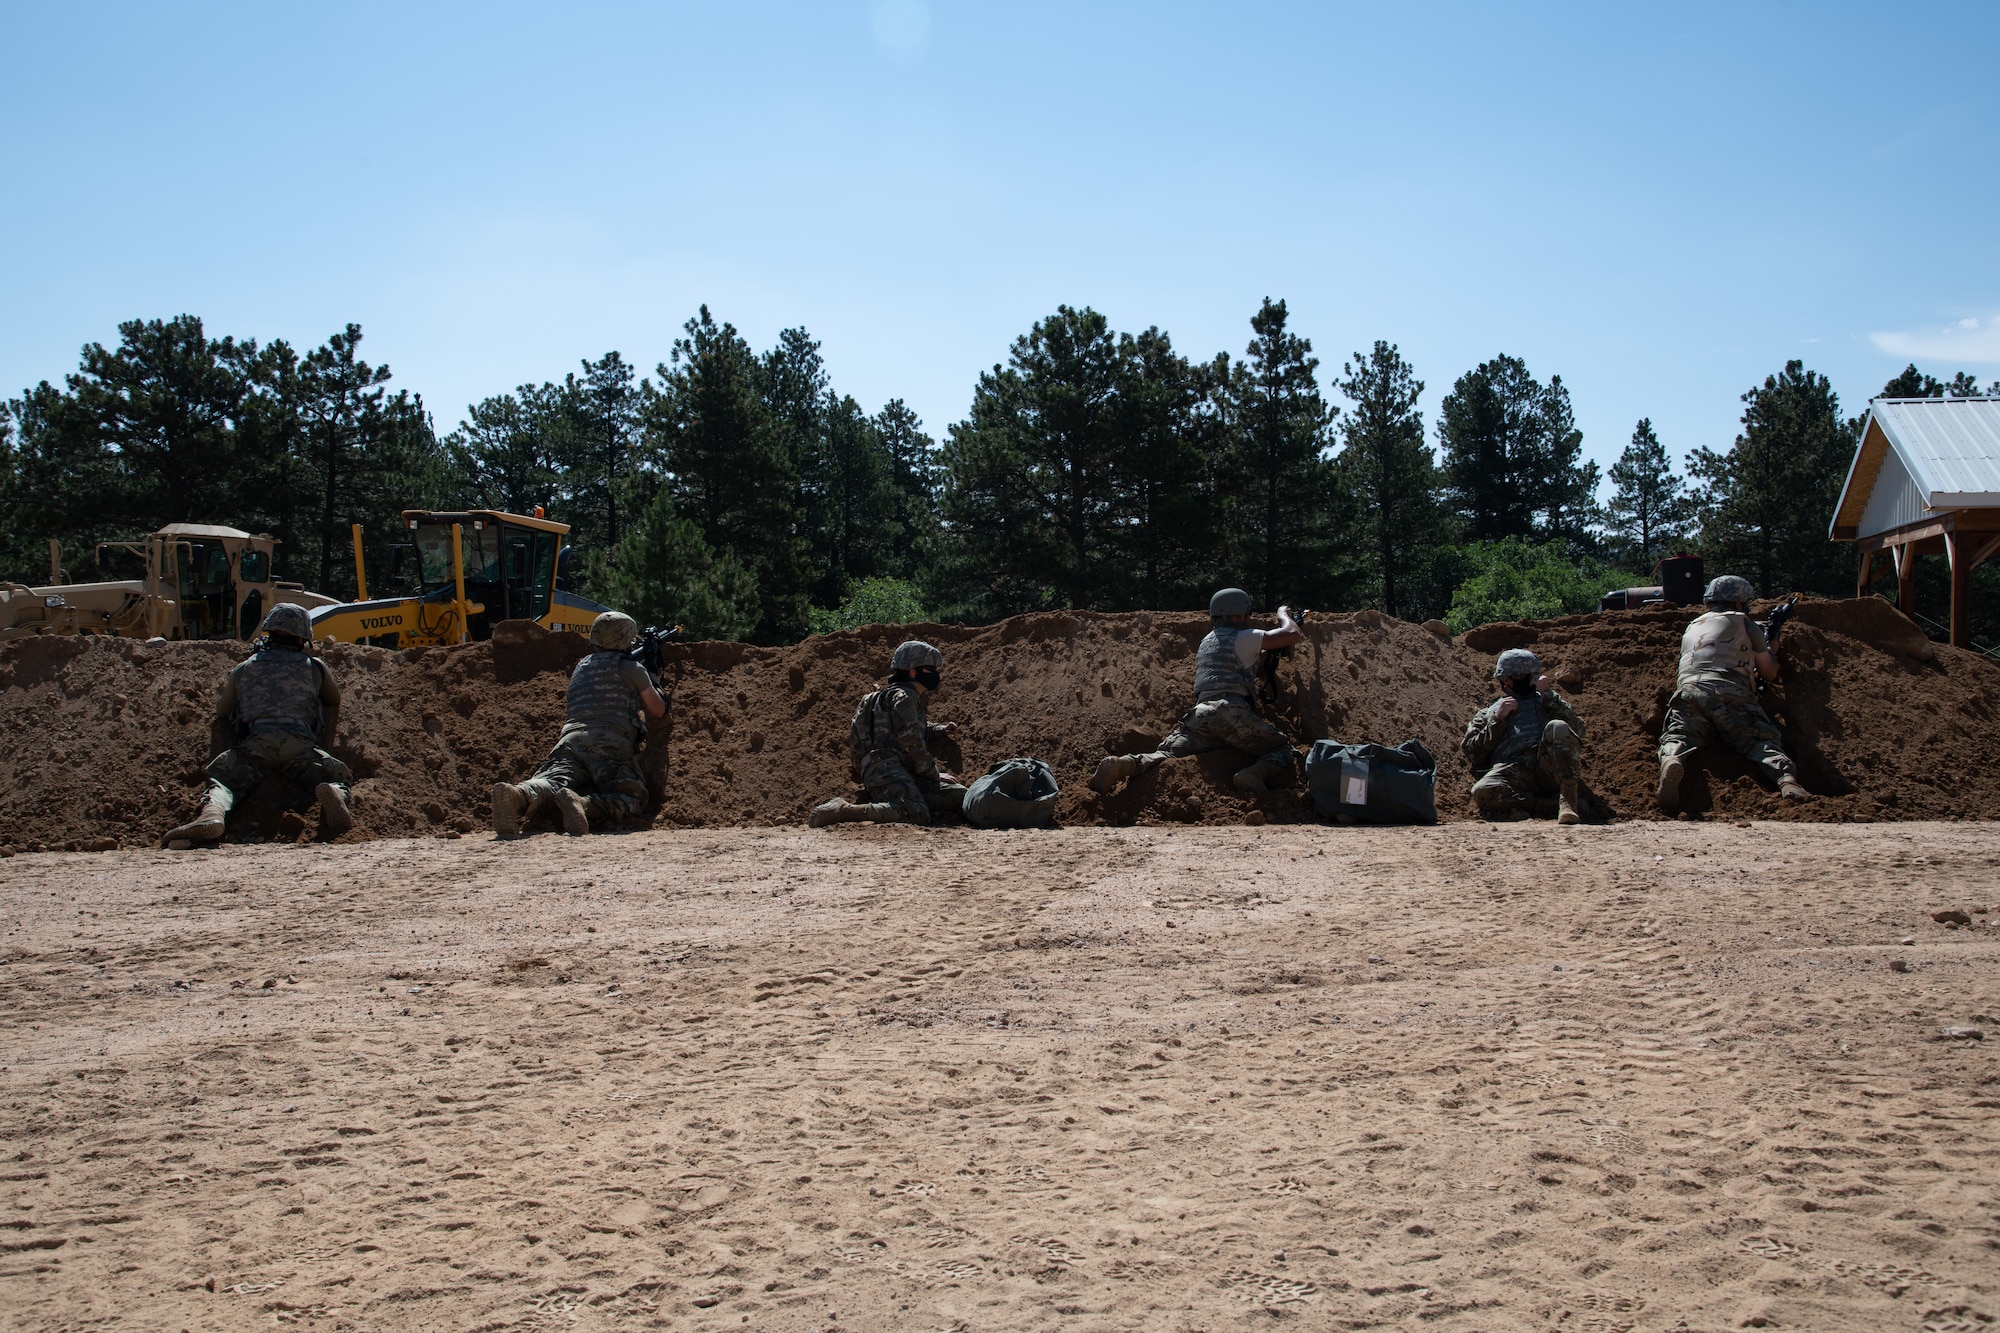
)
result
[(599, 696), (1523, 730), (874, 725), (278, 690), (1717, 647), (1217, 673)]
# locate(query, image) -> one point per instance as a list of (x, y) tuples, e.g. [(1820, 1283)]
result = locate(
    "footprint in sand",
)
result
[(1265, 1289), (916, 1187)]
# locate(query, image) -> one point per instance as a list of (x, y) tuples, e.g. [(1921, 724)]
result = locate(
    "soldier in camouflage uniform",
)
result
[(888, 749), (592, 775), (281, 702), (1525, 747), (1723, 653), (1224, 716)]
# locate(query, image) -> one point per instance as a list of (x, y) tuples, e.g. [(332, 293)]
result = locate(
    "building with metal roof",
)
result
[(1925, 481)]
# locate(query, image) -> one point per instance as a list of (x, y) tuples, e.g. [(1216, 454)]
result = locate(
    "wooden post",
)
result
[(1906, 580), (1867, 568), (1958, 549)]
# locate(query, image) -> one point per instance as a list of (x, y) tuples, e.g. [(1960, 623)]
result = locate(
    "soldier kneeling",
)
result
[(281, 702), (888, 749), (593, 773), (1525, 746)]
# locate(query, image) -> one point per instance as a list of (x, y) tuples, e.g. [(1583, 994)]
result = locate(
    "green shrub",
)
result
[(871, 602), (1516, 579)]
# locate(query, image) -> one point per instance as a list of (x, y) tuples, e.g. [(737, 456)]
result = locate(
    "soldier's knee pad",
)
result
[(1559, 732)]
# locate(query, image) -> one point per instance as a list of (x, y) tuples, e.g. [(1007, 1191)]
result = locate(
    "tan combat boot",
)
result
[(1566, 804), (837, 811), (1671, 773), (1791, 788), (510, 806), (334, 816), (206, 826), (1113, 770), (575, 812)]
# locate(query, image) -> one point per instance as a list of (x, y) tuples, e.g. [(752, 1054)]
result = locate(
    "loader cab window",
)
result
[(254, 567), (484, 551), (531, 558), (207, 593)]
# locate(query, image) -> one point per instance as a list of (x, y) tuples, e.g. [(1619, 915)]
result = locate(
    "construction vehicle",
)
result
[(464, 571), (191, 581)]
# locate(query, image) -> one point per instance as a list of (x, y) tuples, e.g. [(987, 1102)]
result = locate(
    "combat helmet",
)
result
[(613, 631), (289, 619), (1728, 588), (1229, 602), (1516, 662), (915, 655)]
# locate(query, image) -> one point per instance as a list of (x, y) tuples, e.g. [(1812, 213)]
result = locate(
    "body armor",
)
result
[(599, 696), (1717, 646), (874, 726), (1217, 673), (1524, 729), (278, 690)]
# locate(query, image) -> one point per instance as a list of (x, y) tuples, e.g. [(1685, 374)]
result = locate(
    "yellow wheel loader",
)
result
[(190, 581), (467, 571)]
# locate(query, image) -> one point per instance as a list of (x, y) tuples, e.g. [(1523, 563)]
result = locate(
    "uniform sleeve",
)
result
[(225, 703), (1249, 647), (1479, 740), (1560, 707), (635, 675), (1758, 643), (329, 691), (910, 735)]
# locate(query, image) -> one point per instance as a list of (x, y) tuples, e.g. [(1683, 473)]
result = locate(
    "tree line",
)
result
[(740, 493)]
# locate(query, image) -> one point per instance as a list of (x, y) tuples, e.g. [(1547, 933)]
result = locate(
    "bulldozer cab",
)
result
[(509, 561)]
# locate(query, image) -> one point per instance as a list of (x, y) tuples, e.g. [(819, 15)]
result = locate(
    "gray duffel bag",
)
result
[(1015, 793)]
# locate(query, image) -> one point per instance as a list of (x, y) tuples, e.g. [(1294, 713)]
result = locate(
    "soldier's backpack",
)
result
[(1015, 793), (1373, 784)]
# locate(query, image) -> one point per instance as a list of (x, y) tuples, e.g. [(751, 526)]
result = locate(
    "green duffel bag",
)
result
[(1373, 784), (1015, 793)]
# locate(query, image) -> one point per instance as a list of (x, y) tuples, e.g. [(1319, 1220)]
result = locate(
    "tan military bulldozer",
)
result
[(190, 581)]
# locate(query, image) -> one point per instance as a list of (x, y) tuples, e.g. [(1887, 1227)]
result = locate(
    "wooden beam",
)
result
[(1986, 552), (1958, 547), (1951, 520), (1867, 568), (1906, 580)]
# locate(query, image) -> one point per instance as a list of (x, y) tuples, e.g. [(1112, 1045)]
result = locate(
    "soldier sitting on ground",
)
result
[(1723, 653), (1225, 714), (593, 774), (888, 749), (281, 703), (1525, 747)]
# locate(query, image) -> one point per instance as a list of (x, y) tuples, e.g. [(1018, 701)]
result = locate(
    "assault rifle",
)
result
[(1775, 621), (647, 651), (1267, 667)]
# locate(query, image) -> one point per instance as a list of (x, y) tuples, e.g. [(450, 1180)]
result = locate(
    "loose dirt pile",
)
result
[(103, 740)]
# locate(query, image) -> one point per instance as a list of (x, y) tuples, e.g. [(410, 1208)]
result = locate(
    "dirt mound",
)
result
[(103, 739)]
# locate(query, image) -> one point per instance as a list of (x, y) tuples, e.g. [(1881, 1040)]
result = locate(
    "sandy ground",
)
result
[(1641, 1077)]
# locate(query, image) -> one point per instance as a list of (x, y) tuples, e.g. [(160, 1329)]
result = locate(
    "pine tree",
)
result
[(1649, 507), (664, 573), (913, 477), (1169, 425), (727, 466), (1511, 454), (1765, 503), (1286, 508), (1395, 476), (1031, 475)]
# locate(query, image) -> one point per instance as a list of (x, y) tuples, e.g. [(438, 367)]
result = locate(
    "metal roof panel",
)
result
[(1950, 445)]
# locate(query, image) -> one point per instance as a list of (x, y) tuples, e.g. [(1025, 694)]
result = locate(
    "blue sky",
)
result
[(1661, 205)]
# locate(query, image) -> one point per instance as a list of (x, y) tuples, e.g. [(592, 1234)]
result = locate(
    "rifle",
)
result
[(647, 651), (1267, 668), (1775, 622)]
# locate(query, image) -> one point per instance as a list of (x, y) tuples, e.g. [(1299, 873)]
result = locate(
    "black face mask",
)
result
[(926, 677), (1521, 687)]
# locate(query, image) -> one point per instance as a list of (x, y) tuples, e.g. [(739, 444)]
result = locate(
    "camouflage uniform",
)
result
[(1224, 717), (888, 753), (276, 698), (1715, 696), (1528, 756), (597, 753)]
